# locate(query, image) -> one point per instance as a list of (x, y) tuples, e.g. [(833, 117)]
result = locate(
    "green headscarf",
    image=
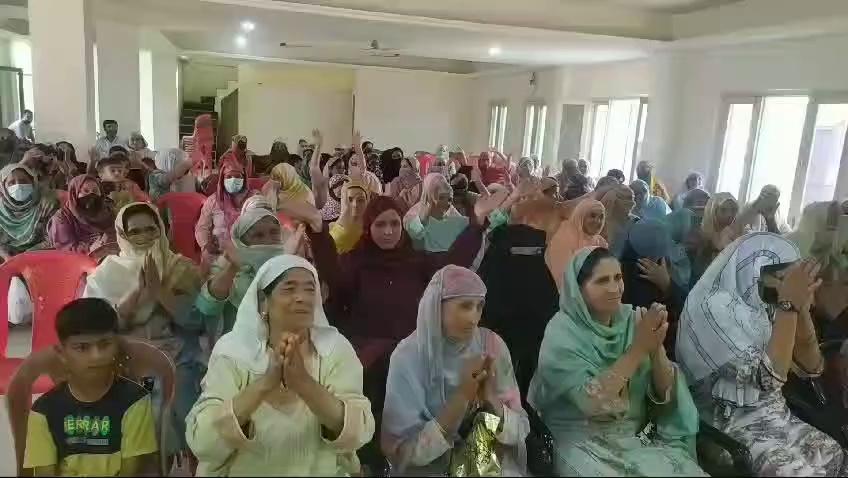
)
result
[(577, 348), (23, 224)]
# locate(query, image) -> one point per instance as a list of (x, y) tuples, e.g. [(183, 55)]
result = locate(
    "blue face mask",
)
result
[(20, 192), (233, 185)]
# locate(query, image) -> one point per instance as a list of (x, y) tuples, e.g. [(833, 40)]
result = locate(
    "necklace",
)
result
[(76, 395)]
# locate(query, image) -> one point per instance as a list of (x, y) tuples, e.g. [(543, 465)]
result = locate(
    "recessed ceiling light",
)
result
[(248, 26), (241, 40), (495, 51)]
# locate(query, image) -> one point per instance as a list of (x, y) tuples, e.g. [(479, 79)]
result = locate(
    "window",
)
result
[(534, 130), (795, 142), (618, 131), (22, 58), (497, 127)]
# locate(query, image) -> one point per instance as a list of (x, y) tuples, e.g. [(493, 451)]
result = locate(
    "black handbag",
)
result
[(540, 445)]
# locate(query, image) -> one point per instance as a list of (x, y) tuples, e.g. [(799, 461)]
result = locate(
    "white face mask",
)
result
[(20, 192), (233, 185)]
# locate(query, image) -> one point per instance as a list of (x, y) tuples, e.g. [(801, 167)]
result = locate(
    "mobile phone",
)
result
[(768, 281)]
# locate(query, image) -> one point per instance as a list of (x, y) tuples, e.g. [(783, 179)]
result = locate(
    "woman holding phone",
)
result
[(744, 326)]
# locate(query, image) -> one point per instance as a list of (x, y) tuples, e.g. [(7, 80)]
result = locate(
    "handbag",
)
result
[(540, 445)]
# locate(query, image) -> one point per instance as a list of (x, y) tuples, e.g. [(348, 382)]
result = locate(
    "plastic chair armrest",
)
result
[(740, 453)]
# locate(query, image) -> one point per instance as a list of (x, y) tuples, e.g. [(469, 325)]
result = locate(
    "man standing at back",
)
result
[(23, 127), (109, 139)]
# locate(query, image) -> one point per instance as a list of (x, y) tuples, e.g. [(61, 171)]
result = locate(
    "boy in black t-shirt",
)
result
[(97, 423)]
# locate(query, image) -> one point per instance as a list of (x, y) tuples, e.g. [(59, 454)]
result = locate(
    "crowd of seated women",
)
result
[(366, 303)]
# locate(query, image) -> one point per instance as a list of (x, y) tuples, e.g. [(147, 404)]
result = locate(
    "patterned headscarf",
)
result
[(725, 320), (23, 224)]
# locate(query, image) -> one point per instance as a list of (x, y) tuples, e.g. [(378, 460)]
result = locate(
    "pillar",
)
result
[(665, 106), (62, 68), (118, 75)]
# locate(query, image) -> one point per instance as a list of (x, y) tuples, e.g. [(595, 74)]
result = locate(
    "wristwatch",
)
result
[(787, 306)]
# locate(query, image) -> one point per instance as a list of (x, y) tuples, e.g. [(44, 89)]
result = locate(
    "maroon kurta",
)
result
[(374, 293)]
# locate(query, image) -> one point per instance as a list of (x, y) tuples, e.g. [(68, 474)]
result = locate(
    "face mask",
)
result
[(233, 185), (91, 202), (20, 192), (256, 256)]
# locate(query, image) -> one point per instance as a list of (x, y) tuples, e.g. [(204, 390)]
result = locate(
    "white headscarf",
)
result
[(247, 343), (118, 274), (724, 319)]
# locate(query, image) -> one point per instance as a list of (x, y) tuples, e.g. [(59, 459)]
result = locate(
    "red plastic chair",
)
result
[(53, 279), (140, 360), (185, 211)]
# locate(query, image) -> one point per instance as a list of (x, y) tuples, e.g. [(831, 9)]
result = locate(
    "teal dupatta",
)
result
[(576, 349)]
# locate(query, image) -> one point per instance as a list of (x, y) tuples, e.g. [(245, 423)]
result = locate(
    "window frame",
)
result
[(816, 98), (533, 139), (643, 110), (498, 117)]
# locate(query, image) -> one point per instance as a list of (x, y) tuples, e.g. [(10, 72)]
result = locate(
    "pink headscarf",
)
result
[(202, 140), (570, 238), (231, 204), (424, 162)]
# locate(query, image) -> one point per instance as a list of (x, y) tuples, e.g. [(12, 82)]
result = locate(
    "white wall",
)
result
[(64, 101), (282, 101), (202, 78), (515, 91), (117, 72), (166, 107), (554, 87), (414, 110), (812, 64)]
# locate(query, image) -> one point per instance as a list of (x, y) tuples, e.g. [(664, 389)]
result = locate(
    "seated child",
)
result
[(113, 174), (98, 423)]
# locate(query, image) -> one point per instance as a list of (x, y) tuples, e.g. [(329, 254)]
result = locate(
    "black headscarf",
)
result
[(390, 167)]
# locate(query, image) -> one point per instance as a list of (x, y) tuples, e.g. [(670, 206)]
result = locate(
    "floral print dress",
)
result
[(780, 443)]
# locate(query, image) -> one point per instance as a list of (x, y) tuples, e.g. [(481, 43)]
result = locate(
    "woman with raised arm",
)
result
[(408, 185)]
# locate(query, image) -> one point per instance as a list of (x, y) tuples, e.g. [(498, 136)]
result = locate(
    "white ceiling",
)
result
[(423, 43), (672, 6)]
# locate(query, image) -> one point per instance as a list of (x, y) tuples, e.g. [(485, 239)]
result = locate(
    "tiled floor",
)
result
[(19, 343)]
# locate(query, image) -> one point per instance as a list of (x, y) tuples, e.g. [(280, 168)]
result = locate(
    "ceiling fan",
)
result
[(373, 48)]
